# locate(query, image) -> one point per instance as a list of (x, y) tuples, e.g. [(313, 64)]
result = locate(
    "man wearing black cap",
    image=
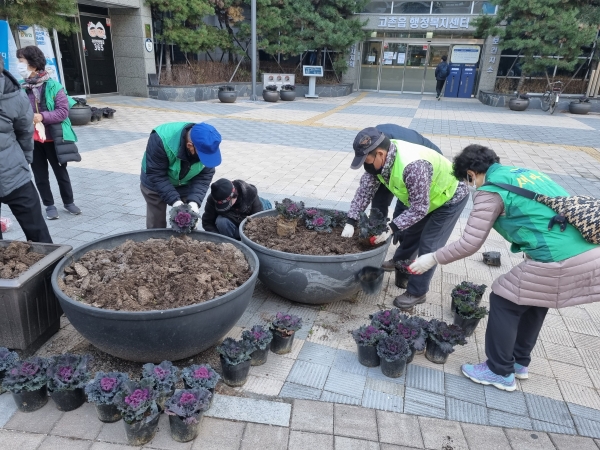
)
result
[(421, 179), (442, 71), (228, 204), (178, 166)]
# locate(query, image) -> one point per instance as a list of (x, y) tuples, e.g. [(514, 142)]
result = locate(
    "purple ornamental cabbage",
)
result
[(387, 319), (393, 348), (7, 359), (446, 336), (27, 375), (165, 375), (320, 222), (188, 404), (411, 329), (200, 376), (103, 388), (286, 324), (368, 335), (290, 210), (259, 336), (136, 400), (235, 352), (183, 219), (67, 372)]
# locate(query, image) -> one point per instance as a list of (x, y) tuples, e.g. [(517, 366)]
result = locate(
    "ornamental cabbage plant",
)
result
[(446, 336), (183, 219), (286, 324), (368, 335), (187, 404), (259, 336), (67, 372), (290, 210), (411, 329), (103, 388), (136, 400), (319, 222), (7, 358), (26, 376), (393, 348), (387, 319), (165, 375), (200, 376), (235, 352)]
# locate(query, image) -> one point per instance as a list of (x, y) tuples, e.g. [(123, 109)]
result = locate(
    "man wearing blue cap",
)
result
[(177, 167)]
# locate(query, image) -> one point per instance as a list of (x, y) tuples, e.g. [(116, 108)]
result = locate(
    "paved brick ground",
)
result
[(302, 150)]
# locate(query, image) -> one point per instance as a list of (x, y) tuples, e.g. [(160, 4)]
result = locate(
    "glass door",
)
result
[(392, 68), (98, 54), (70, 52), (369, 65), (416, 57), (433, 59)]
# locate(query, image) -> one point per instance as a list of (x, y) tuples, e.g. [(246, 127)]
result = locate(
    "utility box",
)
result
[(453, 81), (278, 79), (467, 81)]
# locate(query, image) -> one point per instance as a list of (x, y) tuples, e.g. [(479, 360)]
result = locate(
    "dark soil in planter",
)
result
[(182, 432), (394, 369), (263, 231), (140, 433), (281, 344), (108, 413), (155, 274), (16, 259), (68, 400), (468, 325), (367, 355), (235, 375), (259, 357), (29, 401), (434, 354)]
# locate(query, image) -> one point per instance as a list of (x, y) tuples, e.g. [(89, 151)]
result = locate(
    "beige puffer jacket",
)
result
[(573, 281)]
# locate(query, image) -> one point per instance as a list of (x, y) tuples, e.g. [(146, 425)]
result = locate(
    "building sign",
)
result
[(423, 22), (43, 42), (8, 49), (94, 38), (26, 35), (465, 54), (352, 56)]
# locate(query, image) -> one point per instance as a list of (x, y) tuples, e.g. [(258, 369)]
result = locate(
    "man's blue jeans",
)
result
[(227, 228)]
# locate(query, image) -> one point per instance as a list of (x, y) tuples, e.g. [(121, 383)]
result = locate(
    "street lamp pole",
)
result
[(253, 97)]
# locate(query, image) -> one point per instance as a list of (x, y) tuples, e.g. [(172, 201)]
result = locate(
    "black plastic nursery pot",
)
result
[(393, 369), (370, 279), (140, 433), (235, 375), (434, 354), (412, 355), (68, 400), (259, 356), (153, 336), (401, 279), (468, 325), (108, 413), (282, 344), (367, 355), (183, 432), (29, 401)]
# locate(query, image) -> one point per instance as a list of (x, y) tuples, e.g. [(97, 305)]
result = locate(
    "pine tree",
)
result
[(44, 13), (230, 13), (541, 31)]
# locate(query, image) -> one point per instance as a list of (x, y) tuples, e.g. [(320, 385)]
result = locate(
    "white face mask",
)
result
[(23, 71)]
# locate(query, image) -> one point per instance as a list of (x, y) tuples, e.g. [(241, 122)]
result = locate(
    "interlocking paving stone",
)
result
[(442, 434), (163, 439), (528, 440), (15, 440), (565, 442), (317, 353), (384, 386), (548, 410), (591, 358), (399, 429), (82, 423), (383, 401), (540, 425), (219, 434), (333, 397), (61, 443), (464, 389), (580, 395), (504, 419), (349, 384), (375, 374), (7, 408), (562, 353), (586, 427), (345, 443), (308, 374), (466, 412), (581, 326), (421, 409), (301, 440), (513, 403), (425, 379), (40, 421), (355, 422), (582, 411), (250, 410), (311, 416), (484, 437), (424, 397), (259, 437), (348, 362), (293, 390)]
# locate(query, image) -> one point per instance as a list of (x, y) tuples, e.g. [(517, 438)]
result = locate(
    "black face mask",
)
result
[(193, 159), (370, 168)]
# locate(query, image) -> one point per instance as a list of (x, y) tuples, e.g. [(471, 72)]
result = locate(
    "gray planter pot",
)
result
[(80, 115), (227, 96), (270, 96), (29, 310), (580, 107), (311, 279), (287, 96), (518, 104), (153, 336)]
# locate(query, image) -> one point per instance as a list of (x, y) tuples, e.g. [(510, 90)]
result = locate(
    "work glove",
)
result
[(382, 237), (397, 233), (177, 203), (348, 231), (194, 207), (423, 264)]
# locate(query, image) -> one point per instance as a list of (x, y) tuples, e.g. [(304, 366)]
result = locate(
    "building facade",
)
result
[(407, 40)]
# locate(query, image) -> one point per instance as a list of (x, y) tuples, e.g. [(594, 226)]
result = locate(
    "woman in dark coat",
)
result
[(51, 108)]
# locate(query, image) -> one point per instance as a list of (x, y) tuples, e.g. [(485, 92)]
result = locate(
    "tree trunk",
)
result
[(168, 71), (521, 82)]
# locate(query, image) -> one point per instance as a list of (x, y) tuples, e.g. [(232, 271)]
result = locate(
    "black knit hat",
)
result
[(222, 192)]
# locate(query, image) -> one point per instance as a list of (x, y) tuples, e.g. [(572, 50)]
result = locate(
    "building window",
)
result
[(378, 8), (412, 7), (484, 8), (451, 8), (440, 7)]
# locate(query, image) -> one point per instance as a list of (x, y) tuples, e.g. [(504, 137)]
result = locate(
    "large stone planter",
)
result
[(153, 336), (29, 310), (227, 94), (287, 96), (578, 107), (311, 279), (270, 96), (518, 104), (80, 115)]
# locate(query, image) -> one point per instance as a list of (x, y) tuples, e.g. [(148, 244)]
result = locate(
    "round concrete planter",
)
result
[(311, 279), (270, 96), (80, 115), (287, 96), (578, 107), (227, 94), (518, 104), (153, 336)]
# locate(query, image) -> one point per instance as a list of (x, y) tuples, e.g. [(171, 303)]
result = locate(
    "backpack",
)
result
[(444, 71), (581, 211)]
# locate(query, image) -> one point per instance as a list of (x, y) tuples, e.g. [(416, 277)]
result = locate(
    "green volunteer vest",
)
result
[(443, 185), (170, 135), (51, 89), (525, 222)]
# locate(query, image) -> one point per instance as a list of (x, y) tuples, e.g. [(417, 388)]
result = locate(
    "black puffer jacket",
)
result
[(16, 134), (247, 203)]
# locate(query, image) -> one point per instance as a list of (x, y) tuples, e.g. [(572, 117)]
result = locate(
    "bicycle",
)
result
[(551, 96)]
